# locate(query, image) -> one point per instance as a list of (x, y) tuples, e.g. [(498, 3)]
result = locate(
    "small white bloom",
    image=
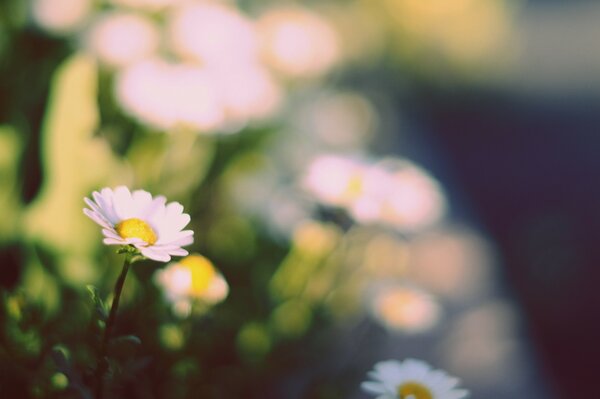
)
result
[(121, 38), (61, 16), (136, 218), (170, 95), (298, 43), (405, 309), (191, 279), (416, 199), (334, 180), (212, 34), (411, 379)]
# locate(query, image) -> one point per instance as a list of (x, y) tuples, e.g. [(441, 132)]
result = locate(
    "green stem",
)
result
[(102, 365)]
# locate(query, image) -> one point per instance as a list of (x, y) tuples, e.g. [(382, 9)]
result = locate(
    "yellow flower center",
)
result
[(355, 186), (414, 390), (136, 228), (202, 272)]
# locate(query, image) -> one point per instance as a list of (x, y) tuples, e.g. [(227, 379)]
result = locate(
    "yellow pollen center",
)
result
[(202, 272), (136, 228), (355, 186), (414, 390)]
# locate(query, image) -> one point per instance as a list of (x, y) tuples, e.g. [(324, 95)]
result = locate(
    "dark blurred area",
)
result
[(529, 167)]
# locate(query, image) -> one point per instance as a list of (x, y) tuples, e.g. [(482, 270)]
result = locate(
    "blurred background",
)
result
[(373, 180)]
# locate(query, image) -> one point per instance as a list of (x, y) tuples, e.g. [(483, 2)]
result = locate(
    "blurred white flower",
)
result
[(297, 42), (391, 192), (411, 379), (404, 309), (61, 16), (119, 38), (191, 279), (136, 218), (415, 199), (168, 96), (335, 180), (247, 91), (212, 34)]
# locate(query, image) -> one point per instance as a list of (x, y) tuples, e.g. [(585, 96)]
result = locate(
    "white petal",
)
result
[(105, 200), (123, 203), (96, 218), (181, 239), (112, 241), (373, 387), (141, 201), (110, 233), (178, 252), (157, 205), (155, 255)]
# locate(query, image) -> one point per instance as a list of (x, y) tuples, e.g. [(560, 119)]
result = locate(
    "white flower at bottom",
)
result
[(191, 279), (136, 218), (411, 379)]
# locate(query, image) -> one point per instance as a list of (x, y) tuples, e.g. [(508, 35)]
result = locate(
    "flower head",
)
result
[(139, 219), (192, 279), (405, 309), (411, 379)]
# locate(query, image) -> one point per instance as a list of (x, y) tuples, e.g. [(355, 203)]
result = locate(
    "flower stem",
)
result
[(102, 365)]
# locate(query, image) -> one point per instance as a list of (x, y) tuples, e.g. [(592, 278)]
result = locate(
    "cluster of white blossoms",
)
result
[(155, 229), (411, 379), (137, 218), (391, 192), (198, 64)]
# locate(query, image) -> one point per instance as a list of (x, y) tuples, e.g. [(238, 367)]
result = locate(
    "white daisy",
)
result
[(136, 218), (190, 280), (411, 379)]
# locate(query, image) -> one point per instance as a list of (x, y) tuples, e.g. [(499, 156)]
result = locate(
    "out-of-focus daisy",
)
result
[(139, 219), (212, 33), (297, 42), (405, 309), (191, 279), (415, 199), (358, 187), (120, 38), (61, 16), (167, 96), (334, 180), (247, 91), (411, 379)]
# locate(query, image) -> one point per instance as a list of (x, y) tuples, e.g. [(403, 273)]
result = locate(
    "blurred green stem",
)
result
[(102, 365)]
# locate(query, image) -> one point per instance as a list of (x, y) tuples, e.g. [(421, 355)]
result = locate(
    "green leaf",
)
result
[(101, 310), (11, 147)]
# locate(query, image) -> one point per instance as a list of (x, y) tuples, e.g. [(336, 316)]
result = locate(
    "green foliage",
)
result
[(99, 306), (11, 148), (74, 163)]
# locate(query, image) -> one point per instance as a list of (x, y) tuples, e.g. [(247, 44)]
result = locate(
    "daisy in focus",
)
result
[(191, 280), (411, 379), (136, 218)]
